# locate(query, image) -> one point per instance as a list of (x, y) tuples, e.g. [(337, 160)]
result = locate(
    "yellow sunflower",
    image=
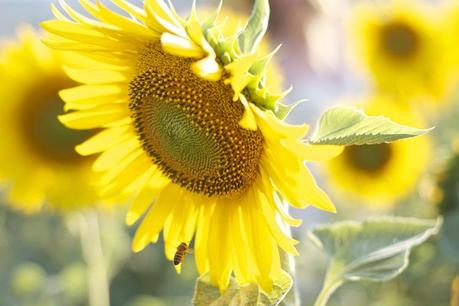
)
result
[(450, 23), (404, 47), (380, 174), (38, 163), (190, 131)]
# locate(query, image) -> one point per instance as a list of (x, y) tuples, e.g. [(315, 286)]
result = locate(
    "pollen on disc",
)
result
[(190, 127)]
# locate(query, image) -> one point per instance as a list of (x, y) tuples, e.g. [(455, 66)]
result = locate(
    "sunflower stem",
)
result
[(331, 283), (288, 265), (91, 246)]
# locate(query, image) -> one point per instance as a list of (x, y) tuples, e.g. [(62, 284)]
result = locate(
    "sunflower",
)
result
[(404, 48), (380, 174), (190, 131), (38, 163), (450, 23)]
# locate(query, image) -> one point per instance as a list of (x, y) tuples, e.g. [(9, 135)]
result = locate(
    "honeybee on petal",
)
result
[(182, 251)]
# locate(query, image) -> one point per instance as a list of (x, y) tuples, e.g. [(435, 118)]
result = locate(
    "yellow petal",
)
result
[(267, 190), (285, 242), (75, 33), (275, 129), (137, 156), (134, 10), (155, 218), (180, 46), (115, 154), (162, 19), (263, 238), (141, 203), (220, 246), (97, 76), (94, 94), (122, 22), (173, 228), (152, 177), (248, 120), (202, 237), (207, 68), (103, 140), (315, 152), (95, 117)]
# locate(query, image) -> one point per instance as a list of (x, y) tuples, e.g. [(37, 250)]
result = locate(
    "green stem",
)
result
[(98, 284), (288, 265), (329, 287)]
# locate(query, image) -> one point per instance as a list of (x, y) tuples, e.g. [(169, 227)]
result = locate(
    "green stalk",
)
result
[(288, 265), (331, 283), (91, 246)]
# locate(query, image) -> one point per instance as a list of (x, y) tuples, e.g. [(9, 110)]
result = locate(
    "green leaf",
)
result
[(281, 287), (256, 27), (205, 294), (348, 126), (375, 250)]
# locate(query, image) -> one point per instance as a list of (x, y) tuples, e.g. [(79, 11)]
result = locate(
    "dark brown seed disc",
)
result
[(368, 158), (190, 127), (399, 40), (49, 139)]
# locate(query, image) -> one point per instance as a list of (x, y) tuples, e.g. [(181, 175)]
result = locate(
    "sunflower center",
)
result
[(43, 133), (190, 127), (368, 158), (400, 40)]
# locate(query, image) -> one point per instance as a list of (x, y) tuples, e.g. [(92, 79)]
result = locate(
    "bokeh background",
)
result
[(326, 58)]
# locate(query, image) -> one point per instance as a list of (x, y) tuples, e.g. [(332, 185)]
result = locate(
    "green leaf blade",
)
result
[(376, 249), (348, 126), (256, 27)]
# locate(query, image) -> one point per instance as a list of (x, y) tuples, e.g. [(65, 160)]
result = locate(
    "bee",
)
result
[(180, 254)]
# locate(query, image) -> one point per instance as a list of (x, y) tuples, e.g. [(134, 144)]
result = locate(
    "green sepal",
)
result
[(256, 27), (282, 111), (212, 20), (260, 66)]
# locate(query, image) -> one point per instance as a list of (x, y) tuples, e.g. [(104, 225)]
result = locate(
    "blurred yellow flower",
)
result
[(38, 163), (378, 175), (190, 132), (404, 48), (450, 23)]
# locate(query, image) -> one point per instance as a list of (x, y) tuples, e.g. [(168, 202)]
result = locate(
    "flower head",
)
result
[(380, 174), (38, 162), (191, 131), (404, 48)]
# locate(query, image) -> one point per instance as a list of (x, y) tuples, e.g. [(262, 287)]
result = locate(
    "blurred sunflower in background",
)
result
[(450, 24), (381, 174), (191, 130), (38, 163), (404, 48)]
